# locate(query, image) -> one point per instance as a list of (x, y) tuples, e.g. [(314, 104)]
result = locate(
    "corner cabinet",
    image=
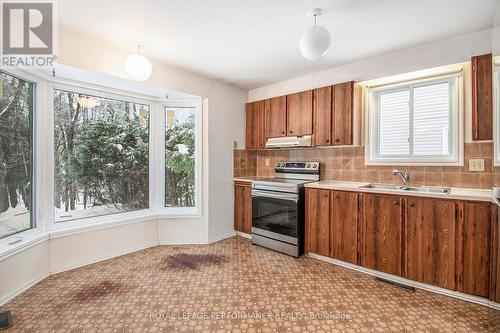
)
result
[(452, 244), (243, 207), (255, 113)]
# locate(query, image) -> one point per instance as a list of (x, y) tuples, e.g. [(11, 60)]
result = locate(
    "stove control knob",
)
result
[(308, 165), (314, 165), (283, 165), (277, 165)]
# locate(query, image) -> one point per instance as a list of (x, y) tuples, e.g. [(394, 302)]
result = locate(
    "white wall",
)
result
[(445, 52)]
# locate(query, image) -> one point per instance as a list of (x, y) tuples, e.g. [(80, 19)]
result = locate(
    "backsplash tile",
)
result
[(347, 163)]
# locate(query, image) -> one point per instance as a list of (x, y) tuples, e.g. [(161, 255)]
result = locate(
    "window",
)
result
[(16, 137), (101, 155), (181, 157), (415, 122)]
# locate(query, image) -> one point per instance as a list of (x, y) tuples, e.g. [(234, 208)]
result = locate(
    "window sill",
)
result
[(61, 229), (27, 239), (172, 216)]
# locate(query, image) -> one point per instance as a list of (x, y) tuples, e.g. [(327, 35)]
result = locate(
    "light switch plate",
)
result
[(267, 162), (476, 165)]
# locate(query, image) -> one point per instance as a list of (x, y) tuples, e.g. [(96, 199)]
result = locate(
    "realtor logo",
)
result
[(27, 28)]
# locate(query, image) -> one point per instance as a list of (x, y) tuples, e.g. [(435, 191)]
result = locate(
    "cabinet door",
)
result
[(475, 232), (275, 112), (317, 219), (322, 116), (381, 233), (495, 255), (344, 226), (243, 208), (255, 125), (299, 113), (430, 241), (343, 108), (482, 97)]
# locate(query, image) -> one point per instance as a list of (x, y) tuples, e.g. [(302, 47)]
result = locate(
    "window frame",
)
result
[(372, 114), (496, 111), (109, 93), (36, 165), (184, 212)]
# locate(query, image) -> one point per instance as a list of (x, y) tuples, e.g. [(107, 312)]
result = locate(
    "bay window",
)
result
[(101, 162), (415, 122), (16, 154)]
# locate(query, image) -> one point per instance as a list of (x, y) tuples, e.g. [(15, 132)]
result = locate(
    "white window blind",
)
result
[(415, 122)]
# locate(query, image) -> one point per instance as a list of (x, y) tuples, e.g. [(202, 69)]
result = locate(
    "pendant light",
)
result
[(315, 40), (138, 67)]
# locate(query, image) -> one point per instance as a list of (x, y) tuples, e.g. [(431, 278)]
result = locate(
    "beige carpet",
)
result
[(232, 286)]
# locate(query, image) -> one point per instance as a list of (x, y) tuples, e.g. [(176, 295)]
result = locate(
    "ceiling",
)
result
[(255, 43)]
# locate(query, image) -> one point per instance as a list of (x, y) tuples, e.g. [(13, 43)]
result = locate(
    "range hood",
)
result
[(289, 141)]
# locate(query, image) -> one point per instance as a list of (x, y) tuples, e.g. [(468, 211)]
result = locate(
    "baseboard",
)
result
[(222, 237), (101, 258), (23, 288), (418, 285), (244, 234)]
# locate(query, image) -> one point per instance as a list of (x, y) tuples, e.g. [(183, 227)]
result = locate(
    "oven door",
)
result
[(276, 215)]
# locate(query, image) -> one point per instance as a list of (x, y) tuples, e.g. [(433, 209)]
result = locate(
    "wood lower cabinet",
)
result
[(255, 113), (275, 117), (344, 226), (474, 246), (299, 113), (495, 255), (317, 221), (430, 241), (381, 222), (243, 207)]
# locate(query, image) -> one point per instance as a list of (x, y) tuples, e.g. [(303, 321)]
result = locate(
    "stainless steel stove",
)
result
[(278, 207)]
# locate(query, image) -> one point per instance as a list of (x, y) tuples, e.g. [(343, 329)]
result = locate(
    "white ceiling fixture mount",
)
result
[(138, 66), (315, 40)]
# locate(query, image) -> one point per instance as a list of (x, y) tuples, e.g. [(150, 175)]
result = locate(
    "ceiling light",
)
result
[(138, 67), (314, 41)]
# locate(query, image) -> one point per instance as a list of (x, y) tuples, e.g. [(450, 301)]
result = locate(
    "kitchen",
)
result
[(235, 166)]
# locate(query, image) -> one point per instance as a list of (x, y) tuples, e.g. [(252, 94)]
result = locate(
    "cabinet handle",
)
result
[(337, 140), (396, 203), (327, 141), (412, 204), (283, 132), (291, 132)]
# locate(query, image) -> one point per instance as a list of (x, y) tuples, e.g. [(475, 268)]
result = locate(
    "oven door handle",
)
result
[(276, 195)]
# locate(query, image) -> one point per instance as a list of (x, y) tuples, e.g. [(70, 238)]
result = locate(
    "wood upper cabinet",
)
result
[(299, 113), (322, 117), (430, 241), (255, 113), (243, 208), (381, 225), (344, 226), (275, 117), (474, 246), (482, 97), (346, 101), (317, 221)]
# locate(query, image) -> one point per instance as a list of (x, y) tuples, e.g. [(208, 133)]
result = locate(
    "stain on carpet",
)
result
[(192, 261), (98, 290)]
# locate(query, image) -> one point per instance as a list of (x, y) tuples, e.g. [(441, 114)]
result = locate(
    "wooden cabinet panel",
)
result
[(430, 241), (482, 97), (474, 250), (255, 113), (344, 226), (299, 113), (381, 233), (322, 116), (495, 255), (317, 220), (243, 208), (275, 113), (343, 108)]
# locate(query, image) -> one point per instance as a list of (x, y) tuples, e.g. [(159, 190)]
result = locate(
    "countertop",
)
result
[(456, 193)]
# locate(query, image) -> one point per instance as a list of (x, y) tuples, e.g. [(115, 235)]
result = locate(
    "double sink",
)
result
[(423, 189)]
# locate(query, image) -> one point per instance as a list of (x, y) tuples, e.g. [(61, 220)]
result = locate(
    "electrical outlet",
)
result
[(476, 165), (267, 162)]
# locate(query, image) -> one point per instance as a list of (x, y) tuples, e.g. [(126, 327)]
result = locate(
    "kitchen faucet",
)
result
[(404, 175)]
